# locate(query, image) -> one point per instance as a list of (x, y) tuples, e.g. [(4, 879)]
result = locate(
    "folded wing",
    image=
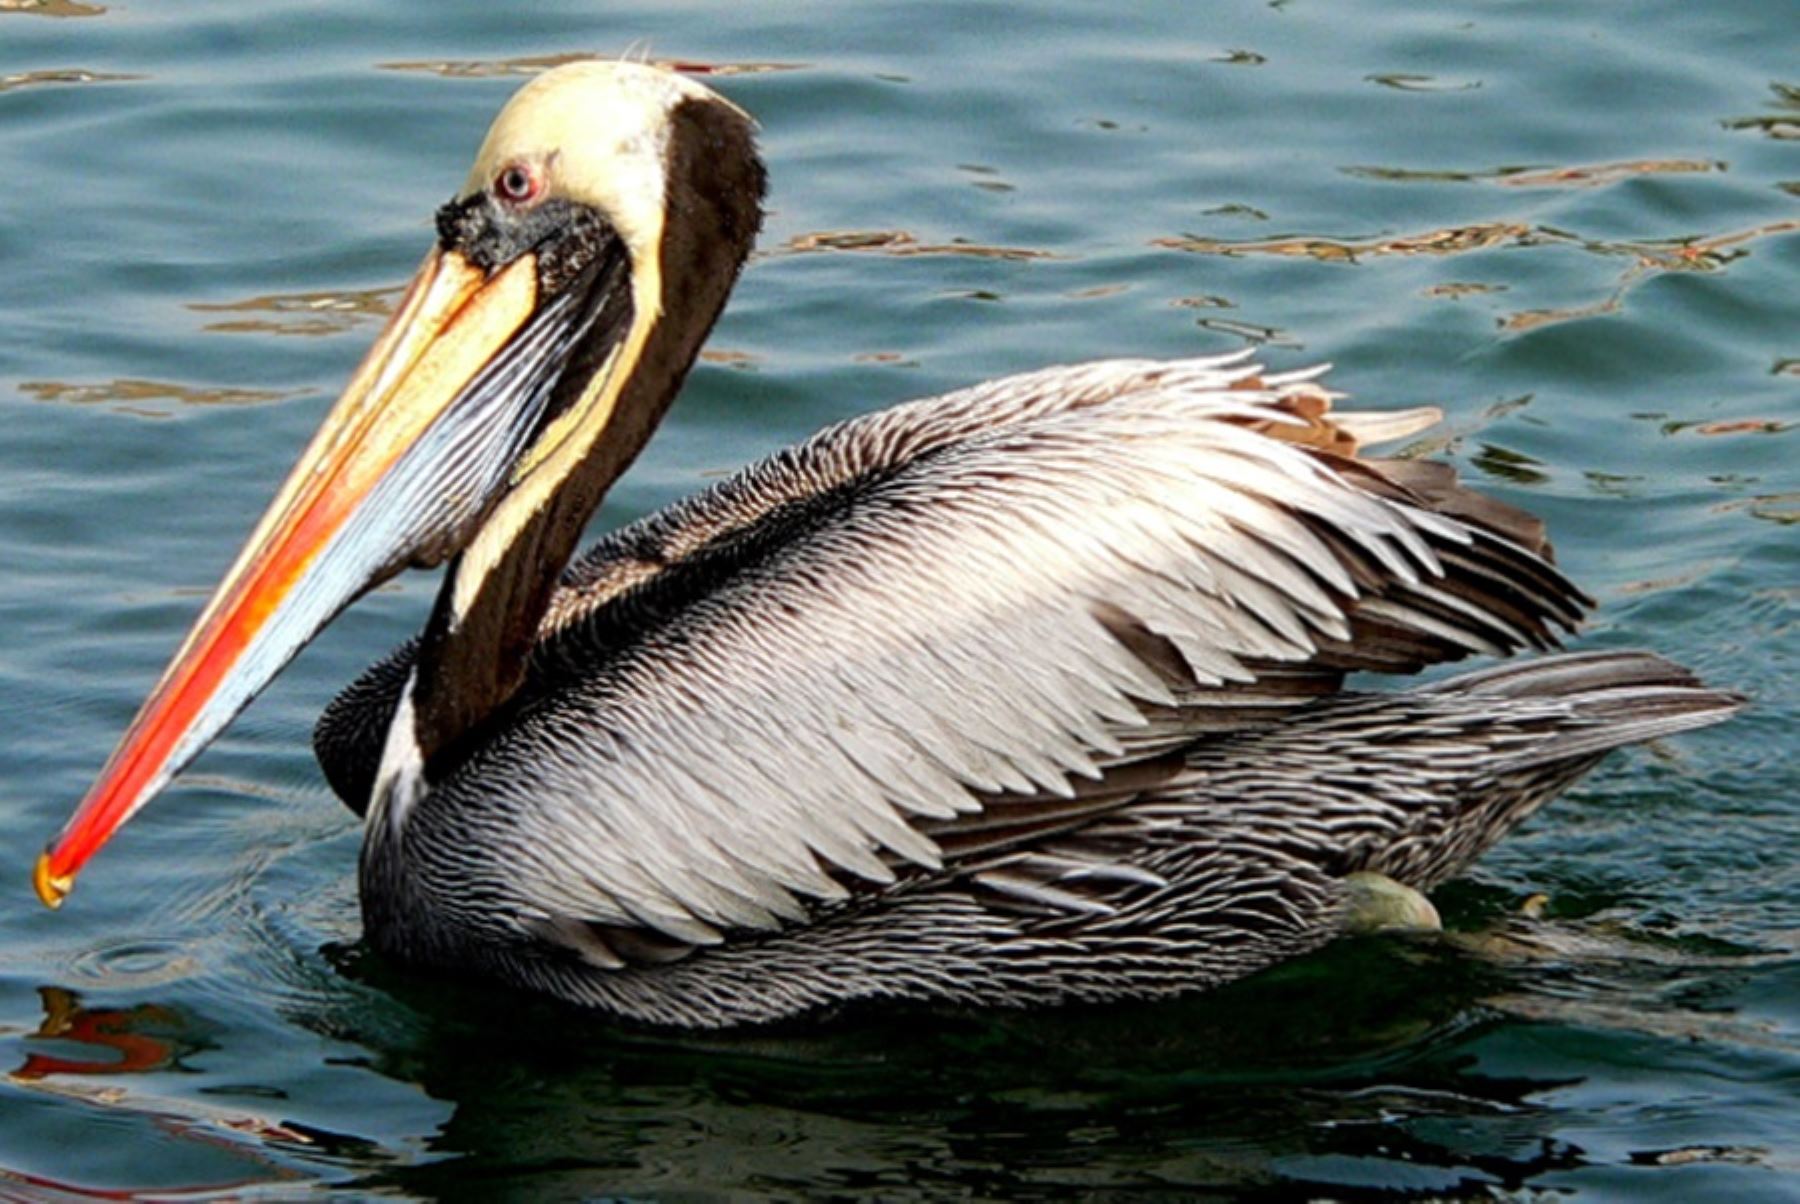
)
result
[(948, 627)]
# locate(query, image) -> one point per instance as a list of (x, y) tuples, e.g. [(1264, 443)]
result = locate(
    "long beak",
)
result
[(403, 469)]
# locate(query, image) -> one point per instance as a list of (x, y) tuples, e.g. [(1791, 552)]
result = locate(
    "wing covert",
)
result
[(929, 627)]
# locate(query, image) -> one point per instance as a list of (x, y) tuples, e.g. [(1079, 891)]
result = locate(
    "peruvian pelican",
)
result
[(1029, 693)]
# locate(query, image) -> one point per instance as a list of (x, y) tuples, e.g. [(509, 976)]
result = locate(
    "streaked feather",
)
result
[(1059, 649)]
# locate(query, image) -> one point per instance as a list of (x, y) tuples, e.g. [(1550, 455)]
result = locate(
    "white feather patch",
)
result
[(400, 782)]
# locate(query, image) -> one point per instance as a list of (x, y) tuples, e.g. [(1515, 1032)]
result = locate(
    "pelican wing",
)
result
[(947, 628)]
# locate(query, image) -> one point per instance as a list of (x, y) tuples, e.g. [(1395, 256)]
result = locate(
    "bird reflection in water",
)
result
[(81, 1055), (132, 1040)]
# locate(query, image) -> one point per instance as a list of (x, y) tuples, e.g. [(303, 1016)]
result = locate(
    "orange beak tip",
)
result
[(52, 888)]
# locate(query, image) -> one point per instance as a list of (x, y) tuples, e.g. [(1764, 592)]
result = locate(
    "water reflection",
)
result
[(1253, 334), (1368, 1068), (311, 313), (1454, 240), (1210, 1092), (51, 8), (1731, 426), (1376, 1065), (1204, 301), (1783, 125), (1647, 258), (1521, 321), (534, 63), (80, 1056), (1693, 253), (901, 243), (1508, 465), (1593, 175), (131, 1040), (1783, 509), (1601, 175), (69, 75), (1456, 290), (729, 357), (148, 398), (1402, 81)]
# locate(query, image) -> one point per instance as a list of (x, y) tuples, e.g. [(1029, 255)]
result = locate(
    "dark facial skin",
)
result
[(567, 237)]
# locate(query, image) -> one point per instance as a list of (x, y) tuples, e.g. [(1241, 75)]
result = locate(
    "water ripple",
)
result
[(65, 75), (148, 398), (1586, 175), (1783, 125), (132, 964), (1403, 81), (1451, 240), (901, 243), (51, 8), (536, 63), (326, 312)]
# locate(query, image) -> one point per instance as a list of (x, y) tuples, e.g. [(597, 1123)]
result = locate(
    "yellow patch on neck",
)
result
[(564, 444), (599, 131)]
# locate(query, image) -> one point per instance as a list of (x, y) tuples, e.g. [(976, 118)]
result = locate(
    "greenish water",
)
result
[(1573, 226)]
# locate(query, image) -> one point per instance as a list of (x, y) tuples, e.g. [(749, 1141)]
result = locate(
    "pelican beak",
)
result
[(405, 467)]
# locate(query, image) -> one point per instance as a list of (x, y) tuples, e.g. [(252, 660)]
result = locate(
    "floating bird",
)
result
[(1025, 694)]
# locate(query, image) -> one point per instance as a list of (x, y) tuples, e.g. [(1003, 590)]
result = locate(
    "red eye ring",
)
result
[(517, 184)]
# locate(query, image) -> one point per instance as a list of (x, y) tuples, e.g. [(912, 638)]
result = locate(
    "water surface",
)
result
[(1574, 227)]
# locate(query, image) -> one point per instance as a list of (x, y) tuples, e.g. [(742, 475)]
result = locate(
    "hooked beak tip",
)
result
[(52, 888)]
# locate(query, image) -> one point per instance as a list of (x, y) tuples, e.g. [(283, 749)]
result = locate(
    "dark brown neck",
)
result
[(473, 658)]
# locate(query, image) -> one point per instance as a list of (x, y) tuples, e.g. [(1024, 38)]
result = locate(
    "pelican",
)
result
[(1026, 694)]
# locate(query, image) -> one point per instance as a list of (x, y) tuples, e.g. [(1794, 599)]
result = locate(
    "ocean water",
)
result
[(1575, 227)]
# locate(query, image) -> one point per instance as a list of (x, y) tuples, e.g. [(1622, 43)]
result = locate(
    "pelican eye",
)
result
[(517, 184)]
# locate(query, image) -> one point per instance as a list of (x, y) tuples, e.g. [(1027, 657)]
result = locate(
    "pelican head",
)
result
[(573, 280)]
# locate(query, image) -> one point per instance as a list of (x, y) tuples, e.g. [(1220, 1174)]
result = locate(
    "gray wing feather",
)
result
[(958, 608)]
